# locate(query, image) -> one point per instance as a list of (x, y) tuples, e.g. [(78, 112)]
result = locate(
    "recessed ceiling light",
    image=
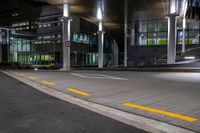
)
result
[(15, 14)]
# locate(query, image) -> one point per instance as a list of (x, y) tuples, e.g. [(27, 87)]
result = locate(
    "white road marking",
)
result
[(112, 77), (79, 75), (97, 76)]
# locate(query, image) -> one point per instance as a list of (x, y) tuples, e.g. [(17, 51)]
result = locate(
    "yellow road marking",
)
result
[(166, 113), (48, 83), (21, 74), (79, 92), (32, 77)]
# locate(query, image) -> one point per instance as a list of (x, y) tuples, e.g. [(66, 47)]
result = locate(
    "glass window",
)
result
[(143, 39), (46, 37), (193, 36), (59, 35)]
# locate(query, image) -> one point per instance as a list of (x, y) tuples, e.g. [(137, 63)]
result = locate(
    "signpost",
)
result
[(68, 43)]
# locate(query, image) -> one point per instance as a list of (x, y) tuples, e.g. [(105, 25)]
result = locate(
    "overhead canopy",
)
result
[(113, 11), (18, 10)]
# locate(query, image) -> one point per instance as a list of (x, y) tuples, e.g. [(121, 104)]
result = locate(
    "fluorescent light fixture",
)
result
[(99, 14), (189, 57), (66, 10), (184, 23), (185, 6), (100, 26), (173, 6), (15, 14)]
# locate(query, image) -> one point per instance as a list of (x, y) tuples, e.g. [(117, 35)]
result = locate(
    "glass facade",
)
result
[(85, 46), (18, 48), (154, 32), (45, 47), (85, 50), (22, 51), (191, 35)]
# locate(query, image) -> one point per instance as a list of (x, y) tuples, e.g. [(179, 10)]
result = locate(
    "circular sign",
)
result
[(67, 43)]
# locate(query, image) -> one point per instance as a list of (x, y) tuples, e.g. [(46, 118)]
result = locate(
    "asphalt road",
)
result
[(26, 110)]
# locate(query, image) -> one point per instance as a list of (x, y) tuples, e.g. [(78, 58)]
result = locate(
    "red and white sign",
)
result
[(68, 43)]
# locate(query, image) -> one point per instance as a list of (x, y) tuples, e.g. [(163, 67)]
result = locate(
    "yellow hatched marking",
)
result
[(48, 82), (162, 112), (78, 92)]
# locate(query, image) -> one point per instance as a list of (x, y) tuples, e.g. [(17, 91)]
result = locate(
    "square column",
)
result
[(183, 39), (171, 48), (125, 32)]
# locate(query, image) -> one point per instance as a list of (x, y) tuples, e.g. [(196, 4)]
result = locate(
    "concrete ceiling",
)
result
[(18, 10), (114, 10)]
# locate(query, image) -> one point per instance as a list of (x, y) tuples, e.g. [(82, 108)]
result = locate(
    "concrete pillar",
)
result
[(66, 31), (125, 31), (100, 45), (183, 39), (115, 54), (171, 50), (8, 44), (100, 36)]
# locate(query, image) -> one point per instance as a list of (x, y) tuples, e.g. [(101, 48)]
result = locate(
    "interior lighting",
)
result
[(15, 14), (172, 6), (66, 10), (99, 14), (184, 23), (189, 57)]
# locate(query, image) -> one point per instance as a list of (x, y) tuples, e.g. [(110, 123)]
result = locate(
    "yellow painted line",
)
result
[(16, 72), (48, 82), (79, 92), (162, 112), (21, 74), (32, 77)]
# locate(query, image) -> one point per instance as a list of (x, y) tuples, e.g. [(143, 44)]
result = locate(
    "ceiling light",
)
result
[(15, 14), (189, 57), (99, 14)]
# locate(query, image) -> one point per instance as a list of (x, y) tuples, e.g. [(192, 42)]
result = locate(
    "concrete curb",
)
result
[(144, 69), (140, 122)]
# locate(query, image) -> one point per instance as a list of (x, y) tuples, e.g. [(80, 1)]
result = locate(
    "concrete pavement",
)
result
[(26, 110), (168, 96)]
